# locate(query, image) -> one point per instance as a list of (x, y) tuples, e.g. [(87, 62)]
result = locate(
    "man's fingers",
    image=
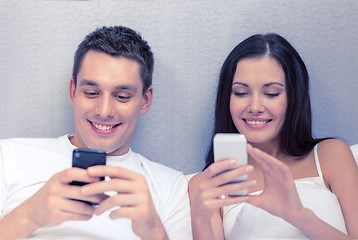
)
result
[(117, 185), (112, 172), (75, 174), (120, 200)]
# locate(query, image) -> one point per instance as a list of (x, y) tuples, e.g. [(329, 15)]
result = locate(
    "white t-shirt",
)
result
[(26, 164), (244, 221)]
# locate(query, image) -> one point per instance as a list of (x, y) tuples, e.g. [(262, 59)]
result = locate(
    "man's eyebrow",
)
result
[(126, 87), (85, 82)]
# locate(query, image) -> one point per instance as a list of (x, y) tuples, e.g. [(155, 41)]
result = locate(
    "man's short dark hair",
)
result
[(117, 41)]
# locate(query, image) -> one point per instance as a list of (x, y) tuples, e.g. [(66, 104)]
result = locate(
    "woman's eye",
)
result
[(241, 94), (272, 95)]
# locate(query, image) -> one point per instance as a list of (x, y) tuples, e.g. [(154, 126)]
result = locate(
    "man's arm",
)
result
[(50, 206)]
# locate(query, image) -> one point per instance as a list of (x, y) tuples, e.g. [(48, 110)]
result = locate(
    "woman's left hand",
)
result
[(279, 196)]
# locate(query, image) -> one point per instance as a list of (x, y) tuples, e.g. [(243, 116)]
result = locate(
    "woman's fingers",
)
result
[(270, 166), (221, 172)]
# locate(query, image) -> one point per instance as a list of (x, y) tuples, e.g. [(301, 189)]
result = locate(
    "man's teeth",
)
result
[(102, 127), (256, 122)]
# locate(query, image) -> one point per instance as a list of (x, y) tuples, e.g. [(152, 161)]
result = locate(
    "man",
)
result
[(111, 86)]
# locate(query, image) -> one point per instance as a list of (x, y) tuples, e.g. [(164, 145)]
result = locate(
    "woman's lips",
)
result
[(256, 123)]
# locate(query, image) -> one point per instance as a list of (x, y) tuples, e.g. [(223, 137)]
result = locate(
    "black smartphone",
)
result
[(85, 158)]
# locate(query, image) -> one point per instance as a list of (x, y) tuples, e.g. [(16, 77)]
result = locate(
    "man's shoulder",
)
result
[(27, 141), (30, 143)]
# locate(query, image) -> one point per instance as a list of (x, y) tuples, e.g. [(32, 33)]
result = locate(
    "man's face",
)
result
[(107, 102)]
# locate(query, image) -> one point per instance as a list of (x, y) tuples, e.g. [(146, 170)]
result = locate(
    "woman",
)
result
[(299, 187)]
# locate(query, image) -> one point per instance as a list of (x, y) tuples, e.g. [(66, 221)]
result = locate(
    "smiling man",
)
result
[(110, 88)]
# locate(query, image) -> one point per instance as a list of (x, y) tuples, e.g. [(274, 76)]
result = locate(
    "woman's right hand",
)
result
[(208, 191), (208, 194)]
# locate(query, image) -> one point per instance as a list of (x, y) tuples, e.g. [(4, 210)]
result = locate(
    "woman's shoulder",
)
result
[(334, 149), (336, 159)]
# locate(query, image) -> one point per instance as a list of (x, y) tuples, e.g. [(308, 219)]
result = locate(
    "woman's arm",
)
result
[(205, 190), (204, 226), (341, 173)]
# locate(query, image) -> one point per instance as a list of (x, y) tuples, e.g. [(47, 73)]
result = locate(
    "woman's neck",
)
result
[(272, 147)]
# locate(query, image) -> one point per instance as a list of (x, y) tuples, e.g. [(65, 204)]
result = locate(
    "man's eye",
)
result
[(91, 94), (122, 97)]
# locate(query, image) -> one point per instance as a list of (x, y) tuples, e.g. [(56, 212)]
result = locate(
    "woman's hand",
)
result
[(210, 187), (206, 190), (279, 196)]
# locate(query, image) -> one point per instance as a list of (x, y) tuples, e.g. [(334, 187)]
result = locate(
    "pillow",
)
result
[(354, 149)]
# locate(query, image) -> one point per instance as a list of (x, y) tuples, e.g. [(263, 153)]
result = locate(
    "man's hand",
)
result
[(52, 205), (133, 200)]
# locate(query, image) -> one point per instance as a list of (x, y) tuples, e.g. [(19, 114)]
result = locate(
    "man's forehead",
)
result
[(119, 87)]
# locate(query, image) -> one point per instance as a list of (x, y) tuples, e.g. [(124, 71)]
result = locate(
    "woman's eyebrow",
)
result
[(273, 83), (240, 83)]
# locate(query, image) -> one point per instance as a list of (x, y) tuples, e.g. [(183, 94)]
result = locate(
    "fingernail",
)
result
[(251, 183), (92, 169), (85, 189), (249, 168), (232, 162)]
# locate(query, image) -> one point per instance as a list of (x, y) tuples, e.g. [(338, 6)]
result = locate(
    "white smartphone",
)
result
[(232, 145)]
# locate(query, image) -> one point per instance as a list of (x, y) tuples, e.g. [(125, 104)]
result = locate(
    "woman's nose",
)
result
[(255, 105)]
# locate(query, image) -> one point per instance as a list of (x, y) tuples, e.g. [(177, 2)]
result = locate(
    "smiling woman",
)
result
[(259, 98), (263, 93)]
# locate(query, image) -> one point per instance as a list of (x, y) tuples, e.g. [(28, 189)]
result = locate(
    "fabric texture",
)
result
[(244, 221), (26, 164)]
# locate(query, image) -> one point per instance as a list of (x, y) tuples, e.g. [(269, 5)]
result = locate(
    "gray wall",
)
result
[(190, 40)]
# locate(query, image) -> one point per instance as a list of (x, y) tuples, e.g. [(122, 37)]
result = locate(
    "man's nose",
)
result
[(105, 106)]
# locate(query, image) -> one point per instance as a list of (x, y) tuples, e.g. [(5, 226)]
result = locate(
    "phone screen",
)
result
[(85, 158)]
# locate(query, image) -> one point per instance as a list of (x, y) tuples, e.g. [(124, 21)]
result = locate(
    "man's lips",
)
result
[(104, 127)]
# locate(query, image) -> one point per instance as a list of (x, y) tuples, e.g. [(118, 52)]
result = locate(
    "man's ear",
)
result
[(72, 91), (147, 100)]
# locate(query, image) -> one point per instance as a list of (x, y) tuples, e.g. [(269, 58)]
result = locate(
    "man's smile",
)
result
[(104, 127)]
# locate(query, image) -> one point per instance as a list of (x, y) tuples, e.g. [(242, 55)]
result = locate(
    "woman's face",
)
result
[(258, 99)]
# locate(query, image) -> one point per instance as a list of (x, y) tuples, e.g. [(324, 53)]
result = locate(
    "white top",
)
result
[(244, 221), (26, 164)]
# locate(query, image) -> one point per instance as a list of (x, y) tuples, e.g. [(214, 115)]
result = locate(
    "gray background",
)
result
[(190, 40)]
